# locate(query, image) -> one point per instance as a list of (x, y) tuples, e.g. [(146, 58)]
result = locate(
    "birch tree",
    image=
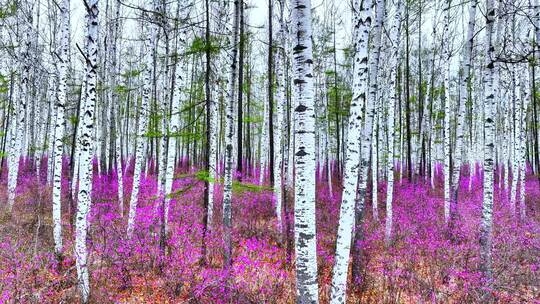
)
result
[(281, 103), (86, 140), (355, 170), (447, 111), (60, 125), (395, 37), (24, 13), (178, 98), (229, 134), (373, 96), (463, 95), (304, 161), (150, 42), (486, 224)]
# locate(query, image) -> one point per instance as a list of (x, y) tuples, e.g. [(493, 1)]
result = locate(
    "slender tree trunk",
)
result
[(362, 25), (486, 224), (18, 141), (239, 138), (395, 37), (150, 43), (229, 134), (178, 98), (447, 114), (373, 96), (281, 105), (270, 94), (60, 126), (463, 96), (86, 141), (409, 166), (305, 163)]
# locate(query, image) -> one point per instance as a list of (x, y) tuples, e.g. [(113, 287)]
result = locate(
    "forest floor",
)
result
[(420, 266)]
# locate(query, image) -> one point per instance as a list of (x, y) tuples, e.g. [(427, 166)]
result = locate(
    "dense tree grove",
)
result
[(269, 151)]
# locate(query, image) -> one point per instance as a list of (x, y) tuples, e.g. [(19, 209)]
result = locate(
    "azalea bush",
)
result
[(421, 264)]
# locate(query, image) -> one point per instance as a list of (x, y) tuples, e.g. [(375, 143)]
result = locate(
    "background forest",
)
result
[(269, 151)]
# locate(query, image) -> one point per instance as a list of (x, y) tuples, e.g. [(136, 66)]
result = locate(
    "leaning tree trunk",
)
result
[(150, 43), (395, 37), (86, 141), (304, 161), (24, 75), (60, 126), (463, 96), (373, 96), (356, 149), (179, 96), (486, 225)]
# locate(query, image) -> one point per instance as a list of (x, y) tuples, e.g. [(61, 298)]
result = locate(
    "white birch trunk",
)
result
[(305, 163), (213, 144), (447, 112), (486, 225), (150, 43), (178, 98), (229, 136), (118, 116), (356, 149), (373, 96), (395, 37), (86, 141), (264, 144), (516, 104), (464, 89), (24, 59), (525, 96), (281, 104), (60, 126)]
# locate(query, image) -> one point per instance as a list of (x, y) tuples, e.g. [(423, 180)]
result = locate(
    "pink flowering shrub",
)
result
[(422, 264)]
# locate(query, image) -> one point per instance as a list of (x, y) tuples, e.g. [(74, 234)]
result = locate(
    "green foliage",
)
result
[(439, 115), (187, 136), (199, 45), (153, 134), (239, 187), (7, 10), (73, 119), (329, 73), (131, 73), (252, 119), (121, 89), (4, 84), (412, 99)]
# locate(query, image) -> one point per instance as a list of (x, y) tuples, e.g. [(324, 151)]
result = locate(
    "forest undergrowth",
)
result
[(420, 265)]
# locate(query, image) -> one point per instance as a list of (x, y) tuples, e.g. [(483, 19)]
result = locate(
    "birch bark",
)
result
[(86, 149), (60, 126), (150, 42), (179, 96), (486, 225), (304, 161), (355, 161), (447, 112), (229, 136), (395, 37), (464, 89)]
